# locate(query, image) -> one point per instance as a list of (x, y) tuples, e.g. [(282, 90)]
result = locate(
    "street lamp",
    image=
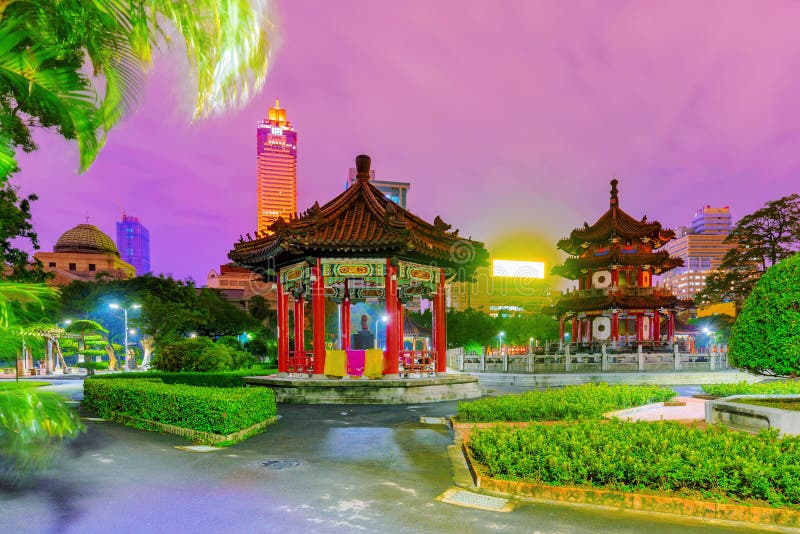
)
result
[(530, 345), (385, 319), (115, 306), (500, 339)]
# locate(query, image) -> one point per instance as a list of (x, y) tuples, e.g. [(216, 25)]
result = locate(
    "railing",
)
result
[(417, 362), (604, 360), (301, 362), (628, 291)]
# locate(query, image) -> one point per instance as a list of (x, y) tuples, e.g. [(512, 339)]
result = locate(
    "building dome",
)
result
[(87, 239)]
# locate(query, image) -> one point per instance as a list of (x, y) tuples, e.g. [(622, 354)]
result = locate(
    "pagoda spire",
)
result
[(614, 203)]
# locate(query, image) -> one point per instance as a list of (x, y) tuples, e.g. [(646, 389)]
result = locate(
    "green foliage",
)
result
[(93, 366), (199, 354), (24, 384), (228, 379), (15, 212), (792, 404), (776, 387), (217, 410), (762, 239), (765, 338), (470, 326), (32, 426), (589, 401), (664, 456), (21, 305)]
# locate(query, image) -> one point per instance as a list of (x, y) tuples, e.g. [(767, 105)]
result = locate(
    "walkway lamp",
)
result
[(115, 306), (500, 340)]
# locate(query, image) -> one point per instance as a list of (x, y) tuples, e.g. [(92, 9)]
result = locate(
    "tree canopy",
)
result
[(762, 239)]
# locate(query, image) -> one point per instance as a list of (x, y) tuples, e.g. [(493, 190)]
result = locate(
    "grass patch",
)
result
[(217, 410), (588, 401), (760, 388), (664, 457), (23, 384), (781, 404)]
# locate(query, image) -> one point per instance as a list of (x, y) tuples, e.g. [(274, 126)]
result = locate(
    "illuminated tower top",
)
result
[(276, 156)]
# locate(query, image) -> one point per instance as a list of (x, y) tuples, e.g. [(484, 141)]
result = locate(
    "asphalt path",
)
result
[(319, 469)]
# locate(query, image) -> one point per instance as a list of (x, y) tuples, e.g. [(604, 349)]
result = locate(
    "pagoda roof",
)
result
[(615, 223), (360, 222), (659, 261)]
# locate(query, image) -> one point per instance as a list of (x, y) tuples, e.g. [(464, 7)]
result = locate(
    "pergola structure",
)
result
[(614, 261), (358, 247)]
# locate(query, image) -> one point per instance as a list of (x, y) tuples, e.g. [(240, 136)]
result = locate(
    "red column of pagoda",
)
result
[(345, 319), (392, 354), (318, 312), (283, 329), (299, 334), (440, 325), (575, 328)]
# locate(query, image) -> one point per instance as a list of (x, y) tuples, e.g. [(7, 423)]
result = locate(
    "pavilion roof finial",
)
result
[(614, 198), (362, 167)]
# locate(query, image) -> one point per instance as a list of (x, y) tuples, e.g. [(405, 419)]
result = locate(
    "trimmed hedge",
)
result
[(228, 379), (217, 410), (659, 456), (760, 388), (765, 338), (589, 401)]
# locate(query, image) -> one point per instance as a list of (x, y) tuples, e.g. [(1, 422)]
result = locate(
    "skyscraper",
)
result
[(701, 247), (133, 243), (277, 168)]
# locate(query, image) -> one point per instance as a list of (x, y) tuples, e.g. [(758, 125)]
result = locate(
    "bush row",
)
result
[(759, 388), (588, 401), (200, 354), (217, 410), (661, 456), (228, 379)]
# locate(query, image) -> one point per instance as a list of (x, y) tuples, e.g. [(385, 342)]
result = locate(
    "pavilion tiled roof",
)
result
[(615, 223), (360, 222), (659, 261)]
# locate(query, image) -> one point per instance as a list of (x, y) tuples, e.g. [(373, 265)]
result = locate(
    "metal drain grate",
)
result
[(476, 500), (282, 463)]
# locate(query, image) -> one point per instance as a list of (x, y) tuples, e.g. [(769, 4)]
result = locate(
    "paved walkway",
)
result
[(694, 409)]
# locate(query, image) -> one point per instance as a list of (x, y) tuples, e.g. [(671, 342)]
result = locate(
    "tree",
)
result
[(765, 338), (762, 239), (470, 326), (91, 341), (22, 305), (54, 53), (15, 212)]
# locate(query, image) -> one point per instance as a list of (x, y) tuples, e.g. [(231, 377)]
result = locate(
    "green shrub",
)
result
[(766, 335), (199, 354), (32, 426), (94, 366), (662, 456), (227, 379), (588, 401), (760, 388), (217, 410)]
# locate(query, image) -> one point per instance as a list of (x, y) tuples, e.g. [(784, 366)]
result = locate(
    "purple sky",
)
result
[(504, 116)]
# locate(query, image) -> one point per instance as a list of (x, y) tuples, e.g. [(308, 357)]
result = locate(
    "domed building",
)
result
[(84, 253)]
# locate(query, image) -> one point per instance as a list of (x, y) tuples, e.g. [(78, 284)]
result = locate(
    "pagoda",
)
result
[(614, 261), (360, 246)]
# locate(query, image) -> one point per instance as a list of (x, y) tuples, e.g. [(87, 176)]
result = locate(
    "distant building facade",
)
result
[(84, 253), (397, 192), (276, 150), (702, 249), (133, 243), (238, 285)]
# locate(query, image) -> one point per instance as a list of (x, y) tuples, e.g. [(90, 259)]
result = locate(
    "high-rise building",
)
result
[(277, 168), (133, 242), (702, 249), (397, 192)]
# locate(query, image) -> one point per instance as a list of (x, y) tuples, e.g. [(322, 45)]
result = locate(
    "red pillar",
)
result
[(299, 333), (614, 277), (615, 327), (580, 331), (656, 330), (390, 363), (283, 330), (345, 318), (318, 311), (440, 326), (575, 328)]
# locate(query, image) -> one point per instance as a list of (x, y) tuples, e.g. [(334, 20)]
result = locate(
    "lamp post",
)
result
[(530, 345), (384, 319), (500, 339), (115, 306)]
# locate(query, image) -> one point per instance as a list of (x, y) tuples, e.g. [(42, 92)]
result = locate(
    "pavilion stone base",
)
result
[(293, 390)]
